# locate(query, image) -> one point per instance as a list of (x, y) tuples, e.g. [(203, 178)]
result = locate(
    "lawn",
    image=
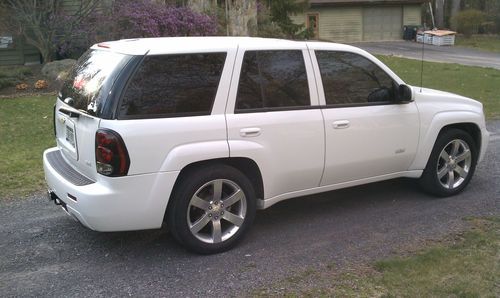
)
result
[(489, 43), (26, 130), (469, 268), (465, 265), (480, 83)]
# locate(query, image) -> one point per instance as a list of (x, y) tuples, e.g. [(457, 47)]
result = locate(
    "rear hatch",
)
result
[(83, 100)]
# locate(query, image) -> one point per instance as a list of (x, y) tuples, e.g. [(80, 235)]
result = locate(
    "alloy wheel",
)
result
[(454, 164), (216, 211)]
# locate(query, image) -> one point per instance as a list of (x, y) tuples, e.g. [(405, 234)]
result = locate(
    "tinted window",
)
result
[(90, 80), (352, 79), (174, 85), (272, 79)]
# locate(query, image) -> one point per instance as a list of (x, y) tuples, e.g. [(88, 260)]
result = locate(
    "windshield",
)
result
[(90, 81)]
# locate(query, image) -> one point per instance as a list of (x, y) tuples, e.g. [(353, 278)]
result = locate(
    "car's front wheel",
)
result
[(212, 208), (451, 164)]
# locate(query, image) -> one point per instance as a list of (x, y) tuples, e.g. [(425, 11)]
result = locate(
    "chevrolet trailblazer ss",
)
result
[(199, 132)]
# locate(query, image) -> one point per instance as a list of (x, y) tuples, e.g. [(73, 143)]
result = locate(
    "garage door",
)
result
[(341, 24), (382, 23)]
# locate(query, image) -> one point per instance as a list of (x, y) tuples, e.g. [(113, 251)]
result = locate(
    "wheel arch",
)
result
[(440, 177), (471, 128), (465, 121), (246, 165)]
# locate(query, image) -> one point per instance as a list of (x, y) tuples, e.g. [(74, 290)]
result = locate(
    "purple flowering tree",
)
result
[(145, 18), (49, 27)]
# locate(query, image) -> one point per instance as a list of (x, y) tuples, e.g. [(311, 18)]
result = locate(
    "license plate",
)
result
[(70, 136)]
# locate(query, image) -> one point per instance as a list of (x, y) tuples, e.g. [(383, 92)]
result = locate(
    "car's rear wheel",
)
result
[(451, 164), (212, 208)]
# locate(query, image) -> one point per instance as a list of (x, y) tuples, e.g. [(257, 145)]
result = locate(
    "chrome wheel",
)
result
[(454, 163), (216, 211)]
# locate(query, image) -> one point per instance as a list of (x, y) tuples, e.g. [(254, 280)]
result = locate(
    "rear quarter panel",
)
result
[(169, 144)]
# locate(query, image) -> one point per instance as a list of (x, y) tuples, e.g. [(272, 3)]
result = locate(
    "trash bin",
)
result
[(410, 32)]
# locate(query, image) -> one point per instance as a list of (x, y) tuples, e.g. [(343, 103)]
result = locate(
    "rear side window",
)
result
[(350, 78), (173, 86), (272, 80)]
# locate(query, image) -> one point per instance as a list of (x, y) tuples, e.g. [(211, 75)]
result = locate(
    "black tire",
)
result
[(430, 182), (180, 210)]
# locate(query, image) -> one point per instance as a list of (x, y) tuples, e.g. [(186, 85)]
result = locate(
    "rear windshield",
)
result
[(89, 82)]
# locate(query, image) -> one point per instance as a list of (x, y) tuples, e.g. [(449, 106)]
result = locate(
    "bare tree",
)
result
[(41, 22)]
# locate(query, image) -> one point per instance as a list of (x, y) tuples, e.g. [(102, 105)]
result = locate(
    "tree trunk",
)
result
[(46, 50), (46, 55), (44, 45), (455, 8), (201, 5), (439, 13), (242, 17)]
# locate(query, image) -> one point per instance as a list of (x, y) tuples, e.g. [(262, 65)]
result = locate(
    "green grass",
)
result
[(466, 265), (470, 268), (26, 130), (475, 82), (489, 43)]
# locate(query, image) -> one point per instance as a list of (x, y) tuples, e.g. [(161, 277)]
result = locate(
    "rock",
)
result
[(52, 70), (63, 75)]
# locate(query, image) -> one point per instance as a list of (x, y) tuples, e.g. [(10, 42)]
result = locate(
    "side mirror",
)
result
[(404, 94), (380, 94)]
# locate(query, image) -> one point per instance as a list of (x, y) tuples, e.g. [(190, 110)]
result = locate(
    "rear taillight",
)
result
[(111, 155)]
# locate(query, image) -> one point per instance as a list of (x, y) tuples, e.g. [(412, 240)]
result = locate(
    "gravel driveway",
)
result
[(46, 253), (432, 53)]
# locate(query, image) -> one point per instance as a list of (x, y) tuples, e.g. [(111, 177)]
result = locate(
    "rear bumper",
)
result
[(52, 196), (112, 204)]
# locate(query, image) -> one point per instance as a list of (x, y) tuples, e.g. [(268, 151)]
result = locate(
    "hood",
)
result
[(443, 96)]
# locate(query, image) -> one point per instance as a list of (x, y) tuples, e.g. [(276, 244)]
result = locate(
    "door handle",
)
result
[(341, 124), (250, 132)]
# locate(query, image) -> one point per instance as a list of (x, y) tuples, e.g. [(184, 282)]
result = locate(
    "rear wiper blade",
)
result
[(70, 113)]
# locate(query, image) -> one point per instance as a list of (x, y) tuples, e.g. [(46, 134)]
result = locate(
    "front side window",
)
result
[(350, 78), (272, 80), (173, 85)]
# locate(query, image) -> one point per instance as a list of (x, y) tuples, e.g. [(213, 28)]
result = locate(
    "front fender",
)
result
[(431, 129)]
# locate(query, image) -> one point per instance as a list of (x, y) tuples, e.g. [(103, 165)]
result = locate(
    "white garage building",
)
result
[(360, 20)]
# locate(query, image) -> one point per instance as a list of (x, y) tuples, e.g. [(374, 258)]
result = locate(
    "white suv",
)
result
[(199, 132)]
